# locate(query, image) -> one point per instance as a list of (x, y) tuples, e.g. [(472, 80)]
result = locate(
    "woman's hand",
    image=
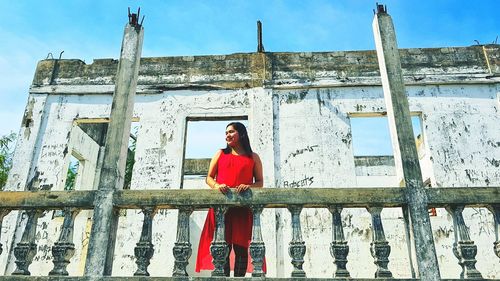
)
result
[(221, 187), (242, 187)]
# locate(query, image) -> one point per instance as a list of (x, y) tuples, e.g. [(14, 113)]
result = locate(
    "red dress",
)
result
[(232, 170)]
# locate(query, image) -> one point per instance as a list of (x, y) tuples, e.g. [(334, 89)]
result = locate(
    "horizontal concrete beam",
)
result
[(270, 197), (480, 196), (288, 84), (282, 70), (16, 200)]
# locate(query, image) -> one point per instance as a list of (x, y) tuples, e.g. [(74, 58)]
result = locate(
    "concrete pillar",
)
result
[(104, 221), (405, 152)]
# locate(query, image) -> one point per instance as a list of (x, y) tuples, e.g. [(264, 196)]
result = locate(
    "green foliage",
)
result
[(6, 153), (71, 175)]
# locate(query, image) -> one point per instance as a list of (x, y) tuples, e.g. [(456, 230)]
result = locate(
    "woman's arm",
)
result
[(212, 173), (257, 172)]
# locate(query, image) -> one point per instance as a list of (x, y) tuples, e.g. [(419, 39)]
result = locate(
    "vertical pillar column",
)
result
[(102, 237), (405, 152)]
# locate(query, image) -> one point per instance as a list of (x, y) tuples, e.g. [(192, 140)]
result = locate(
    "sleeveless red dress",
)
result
[(232, 170)]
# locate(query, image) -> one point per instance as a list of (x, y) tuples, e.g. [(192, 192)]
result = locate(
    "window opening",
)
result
[(129, 166), (371, 135), (372, 149), (72, 175), (96, 130), (203, 139), (73, 178)]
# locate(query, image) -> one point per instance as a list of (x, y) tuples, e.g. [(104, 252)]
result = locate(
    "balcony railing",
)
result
[(186, 201)]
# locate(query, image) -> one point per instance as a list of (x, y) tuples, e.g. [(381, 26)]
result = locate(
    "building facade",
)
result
[(299, 108)]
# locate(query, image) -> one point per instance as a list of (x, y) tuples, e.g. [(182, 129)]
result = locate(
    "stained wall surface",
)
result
[(299, 107)]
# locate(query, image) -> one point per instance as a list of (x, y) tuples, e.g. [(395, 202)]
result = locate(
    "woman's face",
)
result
[(232, 136)]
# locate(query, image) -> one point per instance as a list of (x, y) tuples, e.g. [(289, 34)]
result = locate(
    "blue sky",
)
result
[(30, 29)]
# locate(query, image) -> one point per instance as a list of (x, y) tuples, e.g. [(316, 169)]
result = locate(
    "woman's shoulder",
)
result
[(217, 155), (255, 157)]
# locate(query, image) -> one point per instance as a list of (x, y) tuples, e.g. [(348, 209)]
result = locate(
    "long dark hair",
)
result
[(245, 142)]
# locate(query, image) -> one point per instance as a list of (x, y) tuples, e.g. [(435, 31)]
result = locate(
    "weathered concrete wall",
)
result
[(420, 66), (375, 171), (298, 107), (196, 166), (461, 104)]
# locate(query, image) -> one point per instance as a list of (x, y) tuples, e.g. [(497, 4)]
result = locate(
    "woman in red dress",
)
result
[(237, 167)]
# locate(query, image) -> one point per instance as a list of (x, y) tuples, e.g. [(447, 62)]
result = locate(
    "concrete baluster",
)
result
[(380, 248), (463, 248), (219, 248), (495, 209), (144, 249), (257, 246), (64, 248), (3, 213), (182, 248), (25, 250), (297, 247), (338, 248)]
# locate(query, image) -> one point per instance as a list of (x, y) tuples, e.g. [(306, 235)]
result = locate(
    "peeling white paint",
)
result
[(303, 137)]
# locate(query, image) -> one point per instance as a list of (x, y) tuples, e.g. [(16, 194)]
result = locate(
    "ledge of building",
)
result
[(479, 63)]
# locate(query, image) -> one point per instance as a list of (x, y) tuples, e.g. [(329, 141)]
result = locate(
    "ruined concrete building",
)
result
[(323, 211)]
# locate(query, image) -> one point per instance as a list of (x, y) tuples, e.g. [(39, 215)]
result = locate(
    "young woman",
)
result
[(239, 168)]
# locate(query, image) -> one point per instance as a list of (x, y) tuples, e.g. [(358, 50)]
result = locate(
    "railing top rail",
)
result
[(471, 196), (269, 197), (16, 200)]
